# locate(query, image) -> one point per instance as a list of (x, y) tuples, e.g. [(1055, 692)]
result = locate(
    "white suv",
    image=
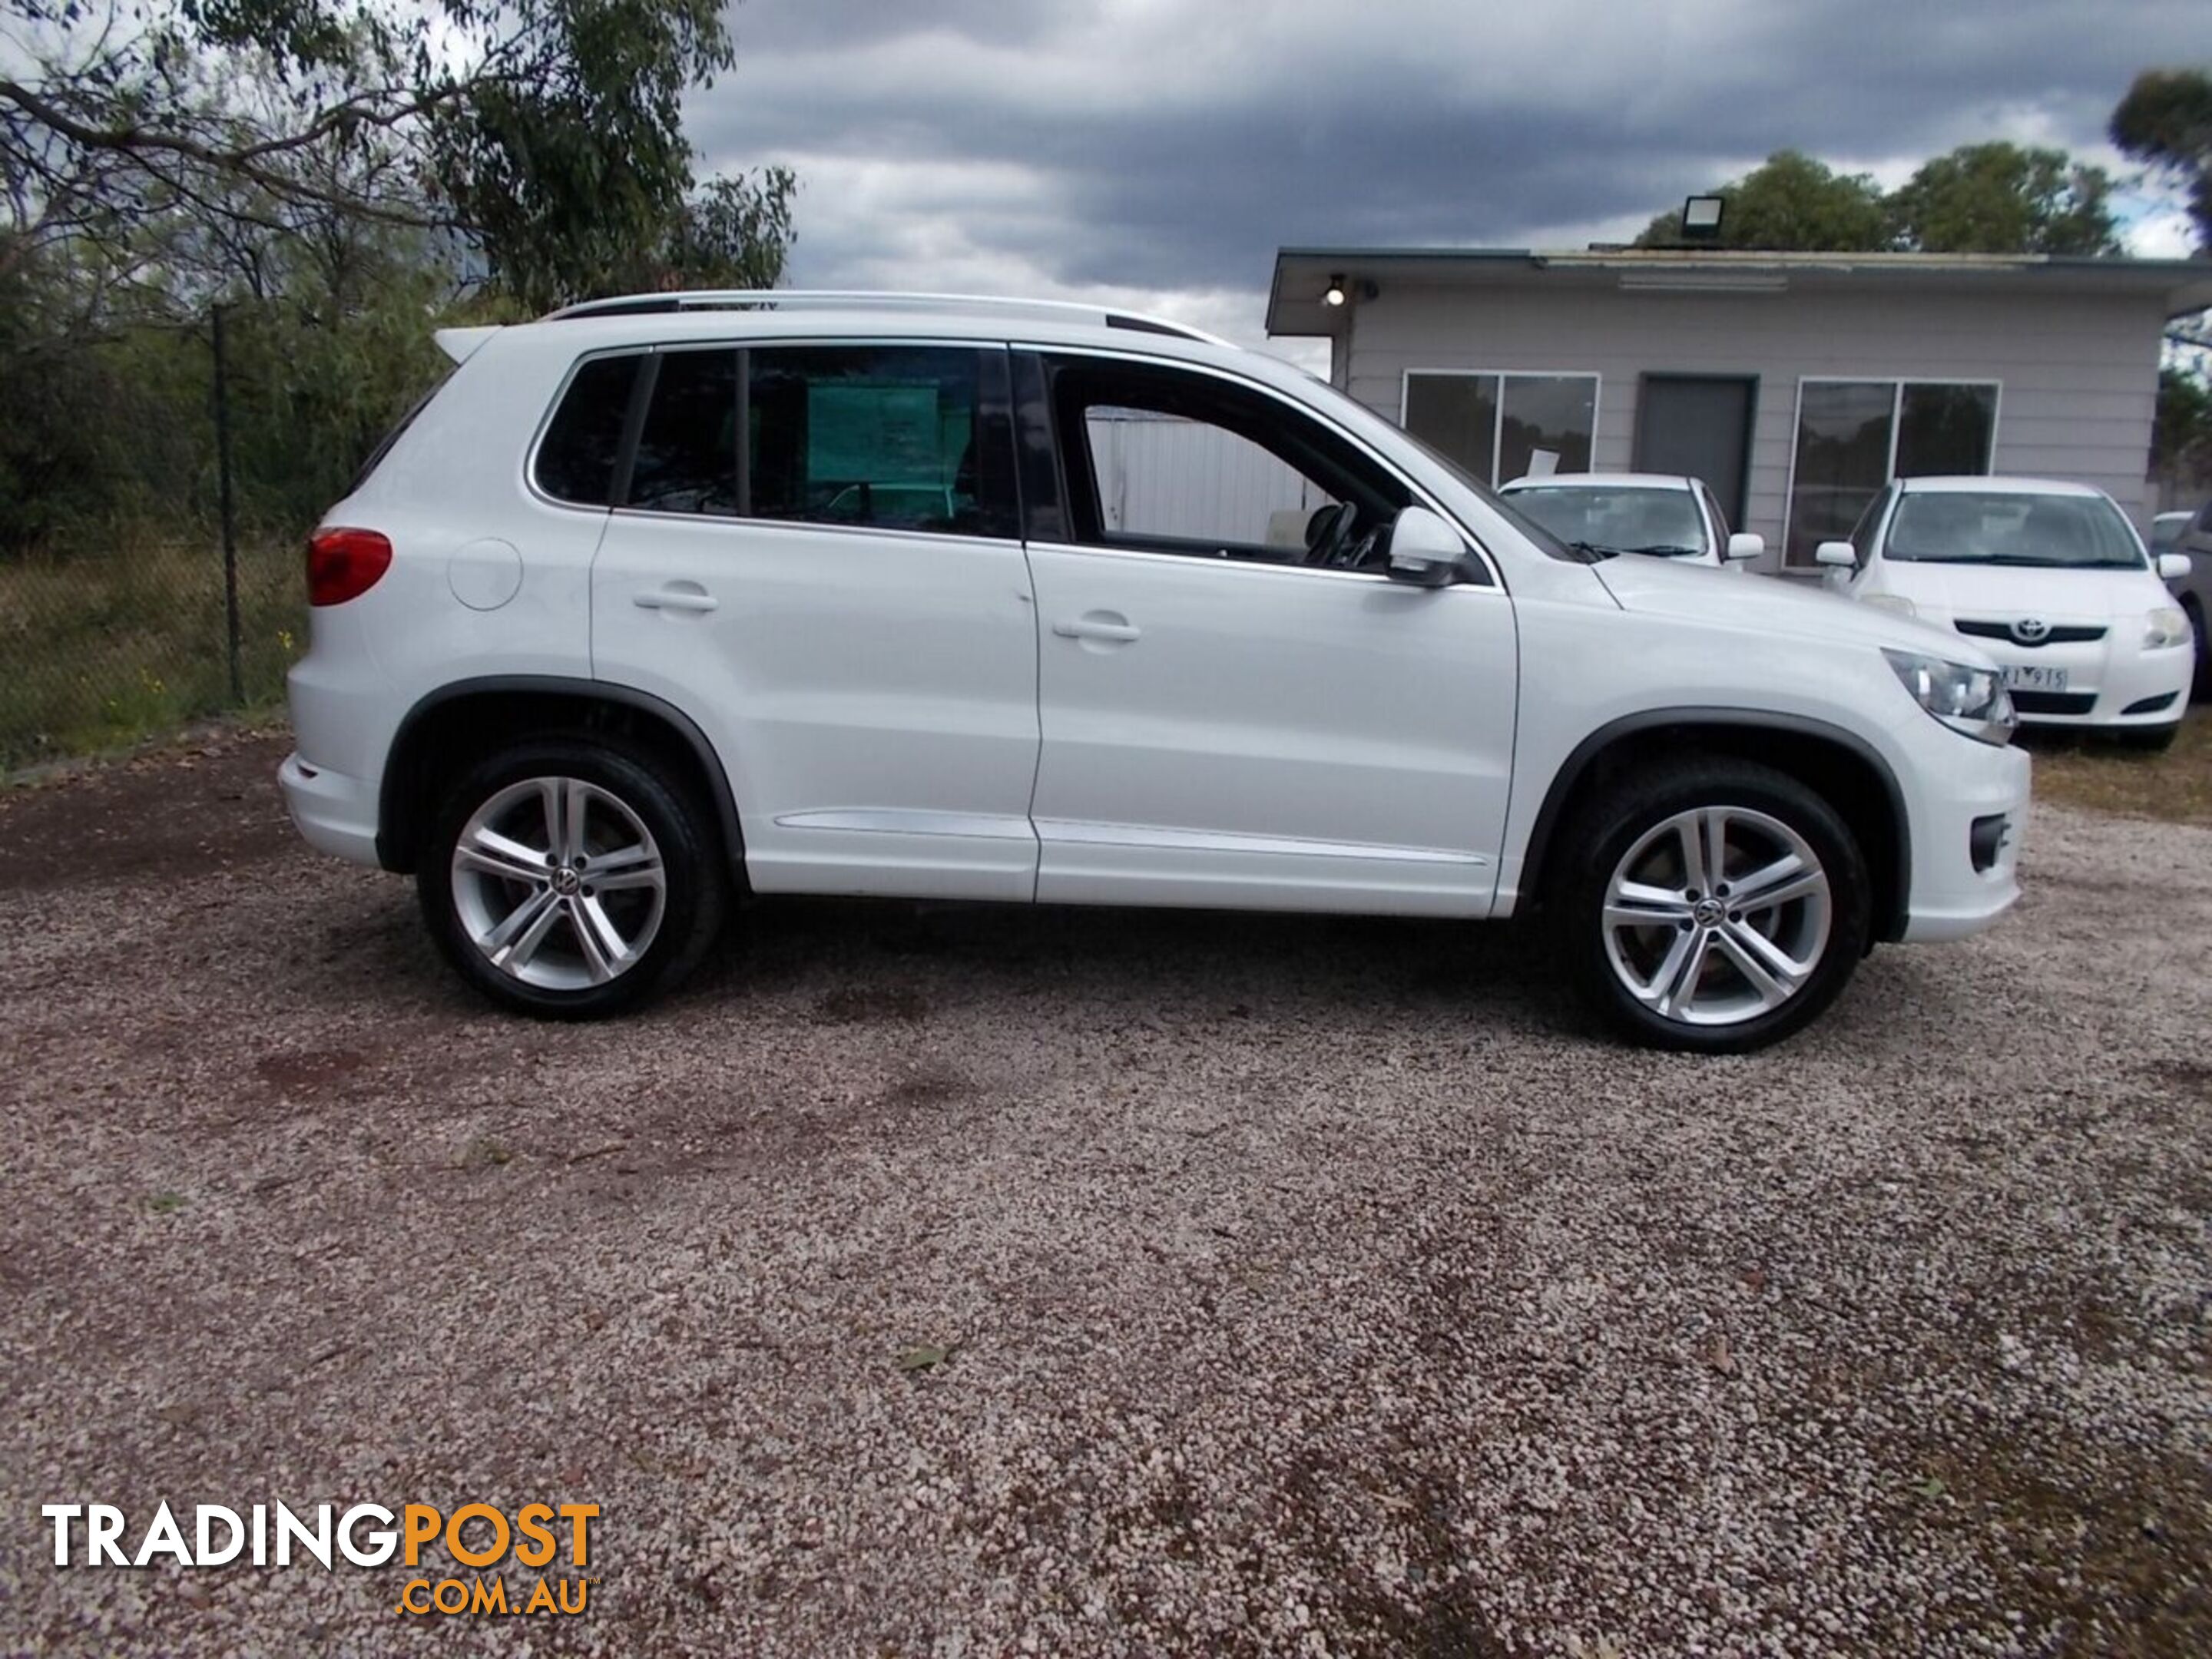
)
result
[(662, 600)]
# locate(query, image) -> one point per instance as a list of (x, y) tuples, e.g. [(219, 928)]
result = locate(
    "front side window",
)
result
[(1166, 460), (1634, 518), (2081, 532), (1855, 436), (687, 451), (1498, 428)]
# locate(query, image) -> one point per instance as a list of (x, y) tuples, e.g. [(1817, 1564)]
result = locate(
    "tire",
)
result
[(2201, 687), (2146, 740), (546, 938), (1704, 999)]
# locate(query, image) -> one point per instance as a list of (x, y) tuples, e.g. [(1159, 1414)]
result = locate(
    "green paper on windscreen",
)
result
[(882, 434)]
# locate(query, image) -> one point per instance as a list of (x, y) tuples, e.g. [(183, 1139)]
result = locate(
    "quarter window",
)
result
[(583, 441), (1855, 436), (1500, 427)]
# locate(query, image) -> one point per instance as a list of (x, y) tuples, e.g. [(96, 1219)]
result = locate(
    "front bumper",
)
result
[(337, 814), (1951, 897), (2109, 682)]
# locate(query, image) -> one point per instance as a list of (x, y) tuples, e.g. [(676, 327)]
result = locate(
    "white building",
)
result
[(1797, 385)]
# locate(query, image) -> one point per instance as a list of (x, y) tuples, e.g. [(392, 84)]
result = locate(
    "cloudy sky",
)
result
[(1156, 152)]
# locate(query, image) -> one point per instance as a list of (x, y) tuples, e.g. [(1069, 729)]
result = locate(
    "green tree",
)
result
[(547, 133), (2001, 198), (2165, 121), (1792, 202)]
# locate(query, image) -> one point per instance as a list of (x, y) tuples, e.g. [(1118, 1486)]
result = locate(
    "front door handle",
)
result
[(1096, 625), (677, 596)]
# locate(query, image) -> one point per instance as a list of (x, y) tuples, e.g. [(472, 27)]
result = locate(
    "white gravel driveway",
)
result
[(1305, 1285)]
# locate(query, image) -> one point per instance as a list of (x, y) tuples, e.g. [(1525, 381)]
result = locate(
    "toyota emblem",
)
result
[(2030, 630)]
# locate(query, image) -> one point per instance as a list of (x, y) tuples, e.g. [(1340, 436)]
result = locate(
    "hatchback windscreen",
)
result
[(2076, 533), (1632, 520)]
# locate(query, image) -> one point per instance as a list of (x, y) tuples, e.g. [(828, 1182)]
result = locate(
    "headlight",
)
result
[(1969, 700), (1894, 602), (2168, 625)]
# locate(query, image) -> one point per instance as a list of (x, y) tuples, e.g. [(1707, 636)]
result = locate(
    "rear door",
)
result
[(1231, 717), (814, 553)]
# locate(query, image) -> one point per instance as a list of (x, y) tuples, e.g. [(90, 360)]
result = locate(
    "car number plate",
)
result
[(2035, 679)]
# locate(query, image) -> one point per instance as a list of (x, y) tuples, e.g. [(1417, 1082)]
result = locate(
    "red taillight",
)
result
[(344, 564)]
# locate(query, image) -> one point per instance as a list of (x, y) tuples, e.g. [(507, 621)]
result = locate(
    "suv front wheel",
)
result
[(568, 881), (1717, 906)]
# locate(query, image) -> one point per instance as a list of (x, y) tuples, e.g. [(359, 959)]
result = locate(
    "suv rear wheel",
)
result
[(1716, 907), (567, 880)]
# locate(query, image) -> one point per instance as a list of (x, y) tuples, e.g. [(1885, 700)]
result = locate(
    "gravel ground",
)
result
[(1300, 1286)]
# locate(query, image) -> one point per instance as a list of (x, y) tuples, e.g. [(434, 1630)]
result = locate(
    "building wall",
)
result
[(2079, 373)]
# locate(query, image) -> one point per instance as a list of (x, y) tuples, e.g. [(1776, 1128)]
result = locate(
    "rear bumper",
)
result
[(337, 814), (1951, 898)]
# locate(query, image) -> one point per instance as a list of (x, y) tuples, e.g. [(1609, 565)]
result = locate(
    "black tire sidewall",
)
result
[(1629, 809), (690, 858)]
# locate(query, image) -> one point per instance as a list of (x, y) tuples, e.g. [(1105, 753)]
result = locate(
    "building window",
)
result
[(1502, 427), (1855, 436)]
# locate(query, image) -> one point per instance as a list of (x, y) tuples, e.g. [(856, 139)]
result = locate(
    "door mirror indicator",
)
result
[(1425, 550)]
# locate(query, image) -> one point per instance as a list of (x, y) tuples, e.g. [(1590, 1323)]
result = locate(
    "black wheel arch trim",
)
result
[(392, 848), (1888, 928)]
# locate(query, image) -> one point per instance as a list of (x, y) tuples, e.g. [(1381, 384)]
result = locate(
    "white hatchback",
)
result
[(2048, 578), (1655, 514)]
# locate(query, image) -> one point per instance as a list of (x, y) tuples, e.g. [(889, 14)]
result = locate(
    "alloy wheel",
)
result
[(1717, 916), (558, 883)]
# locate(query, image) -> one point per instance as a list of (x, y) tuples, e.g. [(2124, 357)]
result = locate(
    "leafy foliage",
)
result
[(2165, 121), (2001, 198), (1791, 202)]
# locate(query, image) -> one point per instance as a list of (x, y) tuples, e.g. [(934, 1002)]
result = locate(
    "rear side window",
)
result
[(576, 461), (687, 451), (888, 437)]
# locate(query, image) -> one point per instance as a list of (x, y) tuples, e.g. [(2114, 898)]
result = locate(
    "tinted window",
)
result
[(1498, 428), (576, 462), (887, 437), (687, 451)]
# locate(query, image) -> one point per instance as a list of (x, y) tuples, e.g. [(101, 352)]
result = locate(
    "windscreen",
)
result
[(2082, 532), (1632, 519)]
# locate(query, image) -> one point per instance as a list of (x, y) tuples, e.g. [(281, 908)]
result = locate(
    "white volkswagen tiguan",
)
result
[(658, 602)]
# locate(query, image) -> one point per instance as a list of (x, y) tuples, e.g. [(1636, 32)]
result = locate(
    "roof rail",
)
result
[(739, 299)]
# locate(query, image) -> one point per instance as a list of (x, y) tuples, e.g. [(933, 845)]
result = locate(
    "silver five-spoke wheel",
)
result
[(558, 883), (1717, 916)]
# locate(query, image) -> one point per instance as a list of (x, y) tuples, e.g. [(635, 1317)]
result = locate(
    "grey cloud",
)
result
[(1370, 137)]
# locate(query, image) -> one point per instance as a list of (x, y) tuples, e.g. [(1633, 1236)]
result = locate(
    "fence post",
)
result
[(229, 518)]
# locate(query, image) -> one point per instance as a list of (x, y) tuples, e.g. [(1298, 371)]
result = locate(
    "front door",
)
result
[(841, 600), (1237, 707), (1697, 426)]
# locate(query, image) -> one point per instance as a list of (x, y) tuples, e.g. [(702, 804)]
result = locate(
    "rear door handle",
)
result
[(677, 596), (1096, 625)]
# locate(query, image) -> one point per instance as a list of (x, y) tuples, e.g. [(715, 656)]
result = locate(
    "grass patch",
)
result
[(110, 645), (2176, 786)]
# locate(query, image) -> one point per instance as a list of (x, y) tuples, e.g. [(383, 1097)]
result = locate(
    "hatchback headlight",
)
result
[(1973, 700), (2166, 626)]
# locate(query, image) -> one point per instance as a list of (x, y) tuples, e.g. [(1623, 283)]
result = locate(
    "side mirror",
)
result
[(1836, 555), (1425, 550), (2173, 567), (1745, 545)]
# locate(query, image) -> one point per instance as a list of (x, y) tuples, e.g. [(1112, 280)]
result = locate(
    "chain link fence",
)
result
[(102, 647), (156, 487)]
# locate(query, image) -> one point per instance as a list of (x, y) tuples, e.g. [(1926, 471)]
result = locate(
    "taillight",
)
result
[(344, 564)]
